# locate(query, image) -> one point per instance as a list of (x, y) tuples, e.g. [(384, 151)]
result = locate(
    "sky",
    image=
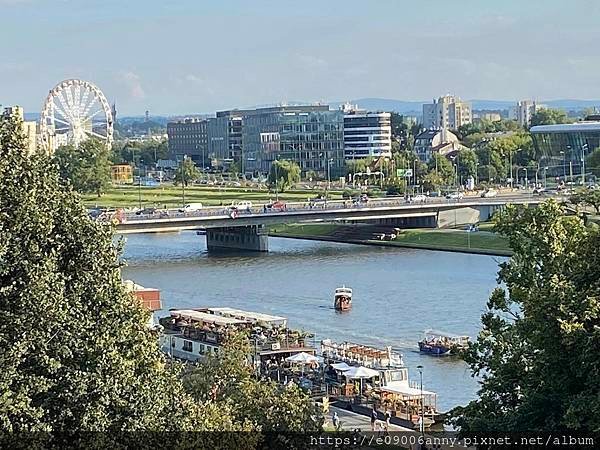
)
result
[(199, 56)]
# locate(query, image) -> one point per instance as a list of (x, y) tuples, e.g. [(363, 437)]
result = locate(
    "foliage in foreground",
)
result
[(86, 167), (76, 350), (228, 381), (537, 354)]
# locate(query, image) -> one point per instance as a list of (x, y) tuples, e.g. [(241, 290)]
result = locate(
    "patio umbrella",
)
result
[(361, 373), (342, 367), (302, 358)]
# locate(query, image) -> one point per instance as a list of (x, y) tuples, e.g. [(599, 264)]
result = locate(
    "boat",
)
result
[(390, 390), (343, 299), (440, 343)]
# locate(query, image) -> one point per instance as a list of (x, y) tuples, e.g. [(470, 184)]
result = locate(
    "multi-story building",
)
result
[(524, 111), (189, 137), (563, 148), (430, 142), (225, 137), (367, 134), (28, 128), (312, 136), (446, 112)]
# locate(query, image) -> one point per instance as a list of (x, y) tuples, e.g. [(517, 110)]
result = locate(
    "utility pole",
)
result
[(422, 424), (276, 179), (183, 180)]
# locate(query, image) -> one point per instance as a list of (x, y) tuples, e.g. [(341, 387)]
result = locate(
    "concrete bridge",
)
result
[(228, 228)]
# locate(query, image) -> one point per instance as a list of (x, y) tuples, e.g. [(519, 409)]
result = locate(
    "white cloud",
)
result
[(134, 84)]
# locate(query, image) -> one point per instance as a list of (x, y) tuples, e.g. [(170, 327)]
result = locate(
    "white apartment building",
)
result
[(446, 112), (367, 134), (524, 110)]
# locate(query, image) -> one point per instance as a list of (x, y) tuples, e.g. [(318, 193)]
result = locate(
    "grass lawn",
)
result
[(171, 196), (441, 239), (453, 239)]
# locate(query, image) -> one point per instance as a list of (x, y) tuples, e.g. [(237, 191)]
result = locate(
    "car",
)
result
[(489, 193), (277, 205), (454, 195), (145, 212), (420, 198), (191, 207), (243, 204), (539, 191)]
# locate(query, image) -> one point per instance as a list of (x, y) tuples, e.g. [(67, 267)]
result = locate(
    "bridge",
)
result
[(229, 228)]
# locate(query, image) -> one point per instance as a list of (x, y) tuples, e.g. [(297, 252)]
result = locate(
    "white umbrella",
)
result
[(361, 372), (341, 366), (302, 358)]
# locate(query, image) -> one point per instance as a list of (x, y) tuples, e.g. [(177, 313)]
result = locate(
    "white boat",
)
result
[(343, 298)]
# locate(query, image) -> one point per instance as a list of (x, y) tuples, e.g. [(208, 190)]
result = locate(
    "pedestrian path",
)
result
[(350, 421)]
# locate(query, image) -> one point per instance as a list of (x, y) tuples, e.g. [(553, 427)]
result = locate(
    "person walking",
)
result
[(335, 420), (388, 417), (373, 418)]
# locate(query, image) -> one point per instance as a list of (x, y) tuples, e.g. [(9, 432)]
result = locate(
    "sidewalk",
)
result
[(350, 421)]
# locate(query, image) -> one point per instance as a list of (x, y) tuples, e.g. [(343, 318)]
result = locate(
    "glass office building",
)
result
[(311, 136), (562, 148)]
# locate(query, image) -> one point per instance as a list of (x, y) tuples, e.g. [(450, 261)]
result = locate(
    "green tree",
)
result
[(467, 163), (549, 116), (536, 355), (228, 381), (187, 172), (592, 162), (86, 167), (287, 173), (441, 166), (77, 353), (587, 197)]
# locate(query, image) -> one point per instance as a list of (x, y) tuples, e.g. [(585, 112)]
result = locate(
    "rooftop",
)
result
[(200, 316), (591, 125), (246, 315)]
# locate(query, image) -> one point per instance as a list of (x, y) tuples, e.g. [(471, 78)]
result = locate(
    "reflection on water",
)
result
[(397, 292)]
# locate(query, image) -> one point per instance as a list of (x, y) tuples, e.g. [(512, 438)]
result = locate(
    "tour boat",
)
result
[(440, 343), (343, 299)]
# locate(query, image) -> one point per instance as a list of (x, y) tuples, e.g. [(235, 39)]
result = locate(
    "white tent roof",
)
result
[(406, 390), (302, 357), (341, 366), (361, 372)]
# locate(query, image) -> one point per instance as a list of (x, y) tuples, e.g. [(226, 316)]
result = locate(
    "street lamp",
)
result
[(477, 173), (584, 147), (276, 179), (140, 184), (422, 424), (183, 181), (329, 161)]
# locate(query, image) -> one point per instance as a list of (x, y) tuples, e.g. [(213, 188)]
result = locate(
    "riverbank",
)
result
[(483, 242)]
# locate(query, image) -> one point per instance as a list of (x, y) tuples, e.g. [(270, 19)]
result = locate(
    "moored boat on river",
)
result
[(389, 390), (343, 298), (440, 343)]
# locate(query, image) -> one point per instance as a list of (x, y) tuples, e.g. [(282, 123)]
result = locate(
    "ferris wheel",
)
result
[(75, 110)]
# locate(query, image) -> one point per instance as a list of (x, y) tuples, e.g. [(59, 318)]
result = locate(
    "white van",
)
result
[(192, 207)]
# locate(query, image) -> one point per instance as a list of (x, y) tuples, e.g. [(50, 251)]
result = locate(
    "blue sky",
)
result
[(177, 57)]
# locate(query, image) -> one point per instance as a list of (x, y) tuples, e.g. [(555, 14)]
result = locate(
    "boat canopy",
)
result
[(249, 316), (343, 290), (438, 333), (405, 390), (199, 316)]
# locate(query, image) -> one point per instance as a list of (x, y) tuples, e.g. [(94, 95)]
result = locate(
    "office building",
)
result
[(189, 137), (446, 112), (367, 134), (563, 148), (28, 128), (225, 137), (430, 142), (312, 136)]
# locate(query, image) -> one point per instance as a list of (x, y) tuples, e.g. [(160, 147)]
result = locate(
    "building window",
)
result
[(187, 346)]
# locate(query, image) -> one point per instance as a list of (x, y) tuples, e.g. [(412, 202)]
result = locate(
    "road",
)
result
[(350, 421), (212, 211)]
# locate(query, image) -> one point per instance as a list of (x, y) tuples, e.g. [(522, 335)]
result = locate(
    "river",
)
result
[(397, 292)]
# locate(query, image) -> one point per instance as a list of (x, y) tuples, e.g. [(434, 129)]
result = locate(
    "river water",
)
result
[(398, 293)]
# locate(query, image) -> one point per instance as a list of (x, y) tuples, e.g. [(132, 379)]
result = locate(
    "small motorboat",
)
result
[(343, 298), (440, 343)]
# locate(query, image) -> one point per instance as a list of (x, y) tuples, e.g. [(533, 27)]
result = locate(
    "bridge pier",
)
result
[(253, 238)]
